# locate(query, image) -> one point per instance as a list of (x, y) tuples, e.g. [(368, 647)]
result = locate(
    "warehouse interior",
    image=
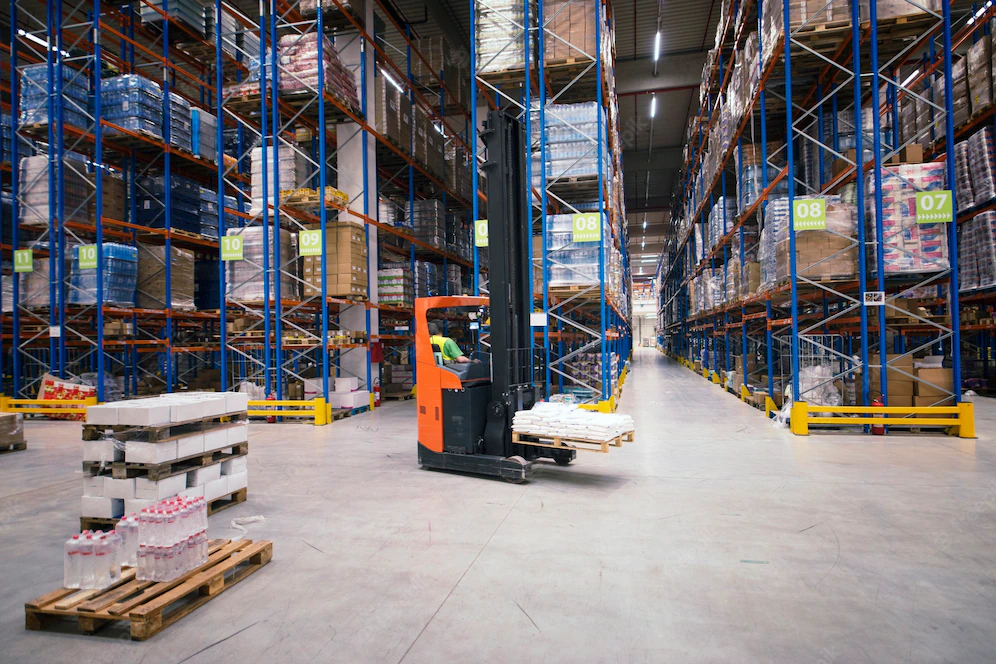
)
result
[(473, 280)]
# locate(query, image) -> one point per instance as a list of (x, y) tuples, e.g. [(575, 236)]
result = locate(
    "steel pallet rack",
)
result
[(816, 113), (527, 58), (167, 347)]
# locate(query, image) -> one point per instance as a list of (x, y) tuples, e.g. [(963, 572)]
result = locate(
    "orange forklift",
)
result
[(465, 410)]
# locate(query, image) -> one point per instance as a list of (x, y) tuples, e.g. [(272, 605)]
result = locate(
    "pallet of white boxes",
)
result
[(139, 452)]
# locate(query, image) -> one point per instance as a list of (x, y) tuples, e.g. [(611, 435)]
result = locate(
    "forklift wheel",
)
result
[(562, 459)]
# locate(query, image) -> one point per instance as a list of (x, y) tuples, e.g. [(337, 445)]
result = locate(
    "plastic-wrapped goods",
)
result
[(299, 68), (982, 166), (816, 385), (331, 10), (190, 12), (429, 222), (720, 224), (394, 287), (752, 178), (909, 247), (151, 283), (180, 122), (172, 539), (132, 102), (570, 30), (204, 134), (34, 210), (500, 35), (570, 263), (119, 271), (36, 88), (963, 177), (819, 254), (244, 278), (894, 8), (977, 252), (185, 202), (288, 173), (428, 279), (229, 28), (207, 292), (980, 81), (570, 131), (34, 285), (961, 106)]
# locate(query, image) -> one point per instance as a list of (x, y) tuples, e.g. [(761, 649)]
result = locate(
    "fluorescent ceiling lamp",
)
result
[(982, 10), (657, 46), (653, 106), (393, 82)]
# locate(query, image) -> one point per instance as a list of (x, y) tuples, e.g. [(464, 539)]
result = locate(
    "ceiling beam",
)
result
[(674, 72), (665, 158), (643, 204)]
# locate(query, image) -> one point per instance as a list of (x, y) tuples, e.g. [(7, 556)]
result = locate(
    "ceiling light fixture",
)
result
[(657, 46), (653, 106)]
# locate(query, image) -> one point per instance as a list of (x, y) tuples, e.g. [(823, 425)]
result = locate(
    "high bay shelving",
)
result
[(552, 65), (785, 115), (278, 338), (283, 335)]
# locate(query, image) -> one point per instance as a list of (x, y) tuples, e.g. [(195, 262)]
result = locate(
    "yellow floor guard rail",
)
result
[(960, 420), (315, 409), (46, 406)]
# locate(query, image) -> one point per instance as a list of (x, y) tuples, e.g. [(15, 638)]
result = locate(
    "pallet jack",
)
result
[(465, 411)]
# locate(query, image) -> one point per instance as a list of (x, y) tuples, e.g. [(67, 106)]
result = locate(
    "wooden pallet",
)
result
[(398, 396), (339, 413), (147, 606), (13, 447), (214, 506), (122, 470), (564, 443), (161, 433)]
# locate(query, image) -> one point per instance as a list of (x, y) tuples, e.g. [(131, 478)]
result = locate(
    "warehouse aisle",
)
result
[(713, 538)]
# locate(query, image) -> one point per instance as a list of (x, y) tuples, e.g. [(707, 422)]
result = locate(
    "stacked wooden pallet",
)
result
[(136, 453)]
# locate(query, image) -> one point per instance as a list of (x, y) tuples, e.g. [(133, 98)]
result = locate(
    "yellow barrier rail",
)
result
[(315, 409), (46, 406), (960, 420)]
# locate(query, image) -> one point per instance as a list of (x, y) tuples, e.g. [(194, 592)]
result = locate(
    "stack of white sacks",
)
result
[(346, 393), (107, 498), (569, 421)]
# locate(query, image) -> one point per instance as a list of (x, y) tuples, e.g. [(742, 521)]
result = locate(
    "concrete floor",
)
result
[(713, 538)]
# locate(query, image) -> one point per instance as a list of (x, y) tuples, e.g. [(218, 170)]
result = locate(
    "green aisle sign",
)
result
[(809, 214), (586, 227), (88, 256), (934, 207), (24, 260), (481, 233), (309, 243), (231, 247)]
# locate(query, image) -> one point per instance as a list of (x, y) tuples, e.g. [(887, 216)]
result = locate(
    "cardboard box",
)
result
[(346, 383), (136, 452), (167, 487), (238, 433), (203, 476), (143, 413), (235, 466), (237, 481), (193, 492), (189, 445), (215, 439), (102, 508), (216, 488), (102, 450), (940, 377), (105, 414), (136, 505), (93, 486), (904, 401), (236, 401), (121, 489)]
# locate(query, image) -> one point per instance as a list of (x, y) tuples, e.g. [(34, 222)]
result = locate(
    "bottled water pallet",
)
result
[(122, 470), (569, 443), (214, 506), (339, 413), (148, 606), (160, 433)]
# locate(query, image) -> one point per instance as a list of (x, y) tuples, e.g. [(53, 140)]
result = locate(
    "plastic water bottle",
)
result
[(86, 562), (101, 563), (71, 563), (114, 570)]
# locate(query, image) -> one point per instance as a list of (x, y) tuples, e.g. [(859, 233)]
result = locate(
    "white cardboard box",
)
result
[(214, 404), (235, 466), (137, 505), (238, 433), (120, 489), (184, 410), (350, 400), (238, 481), (93, 486), (236, 401), (215, 439), (193, 492), (312, 388), (102, 508), (216, 488), (189, 445), (136, 452), (101, 450), (143, 412), (346, 383), (106, 414), (167, 487), (202, 476)]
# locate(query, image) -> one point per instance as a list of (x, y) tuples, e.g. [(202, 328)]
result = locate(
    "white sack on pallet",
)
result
[(569, 421)]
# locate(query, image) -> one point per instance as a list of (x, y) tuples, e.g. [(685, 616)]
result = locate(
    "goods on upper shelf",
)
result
[(246, 280)]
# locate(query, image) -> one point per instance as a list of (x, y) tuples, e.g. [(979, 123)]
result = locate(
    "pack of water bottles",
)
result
[(172, 539), (132, 102), (37, 87), (181, 125), (93, 560), (120, 275)]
